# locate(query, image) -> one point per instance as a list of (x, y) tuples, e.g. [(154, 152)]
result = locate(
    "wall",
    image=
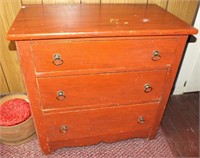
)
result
[(189, 76), (11, 80)]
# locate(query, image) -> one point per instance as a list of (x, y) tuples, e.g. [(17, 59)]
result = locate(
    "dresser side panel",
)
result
[(28, 69)]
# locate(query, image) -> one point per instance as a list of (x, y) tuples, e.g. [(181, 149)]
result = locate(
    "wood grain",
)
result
[(90, 1), (3, 84), (49, 1), (120, 20), (60, 1), (8, 56), (161, 3), (67, 1), (184, 9), (125, 1), (31, 2)]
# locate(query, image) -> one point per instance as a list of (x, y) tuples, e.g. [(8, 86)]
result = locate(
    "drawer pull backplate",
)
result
[(156, 55), (147, 88), (141, 120), (57, 60), (63, 129), (60, 96)]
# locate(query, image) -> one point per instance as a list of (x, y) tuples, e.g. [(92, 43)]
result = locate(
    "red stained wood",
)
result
[(101, 90), (96, 54), (103, 75), (100, 120), (109, 138), (94, 20)]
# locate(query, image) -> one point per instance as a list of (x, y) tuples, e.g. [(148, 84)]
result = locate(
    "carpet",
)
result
[(131, 148)]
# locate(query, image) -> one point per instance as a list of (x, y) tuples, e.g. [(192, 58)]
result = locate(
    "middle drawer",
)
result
[(101, 89)]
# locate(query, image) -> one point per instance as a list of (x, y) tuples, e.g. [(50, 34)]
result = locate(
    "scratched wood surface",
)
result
[(108, 22), (11, 80)]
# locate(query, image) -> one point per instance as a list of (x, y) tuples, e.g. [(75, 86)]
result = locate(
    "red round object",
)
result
[(14, 111)]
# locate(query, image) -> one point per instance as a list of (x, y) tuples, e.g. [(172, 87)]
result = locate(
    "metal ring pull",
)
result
[(63, 129), (141, 120), (147, 88), (156, 56), (57, 60), (60, 95)]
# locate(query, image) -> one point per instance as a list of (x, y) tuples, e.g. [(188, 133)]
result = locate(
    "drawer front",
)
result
[(99, 122), (83, 55), (101, 90)]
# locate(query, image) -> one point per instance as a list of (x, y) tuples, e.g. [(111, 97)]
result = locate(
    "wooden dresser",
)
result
[(97, 73)]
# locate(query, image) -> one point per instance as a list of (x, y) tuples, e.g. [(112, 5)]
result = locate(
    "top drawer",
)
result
[(101, 54)]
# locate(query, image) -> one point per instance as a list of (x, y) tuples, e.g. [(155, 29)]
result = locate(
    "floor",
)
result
[(180, 124)]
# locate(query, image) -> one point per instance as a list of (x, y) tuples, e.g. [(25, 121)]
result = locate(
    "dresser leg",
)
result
[(45, 146), (46, 149)]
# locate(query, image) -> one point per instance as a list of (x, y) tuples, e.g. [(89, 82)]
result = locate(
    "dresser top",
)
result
[(95, 20)]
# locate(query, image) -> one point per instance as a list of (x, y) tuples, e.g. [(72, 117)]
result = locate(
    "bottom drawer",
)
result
[(99, 122)]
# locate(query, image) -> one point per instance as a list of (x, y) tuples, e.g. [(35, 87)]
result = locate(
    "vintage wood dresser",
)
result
[(97, 73)]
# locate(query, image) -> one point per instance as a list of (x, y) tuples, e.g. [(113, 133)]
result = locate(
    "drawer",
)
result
[(100, 122), (102, 89), (102, 54)]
